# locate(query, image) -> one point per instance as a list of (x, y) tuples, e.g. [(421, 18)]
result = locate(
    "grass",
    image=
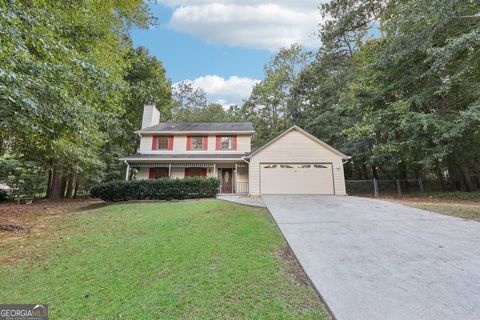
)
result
[(457, 195), (460, 210), (202, 259)]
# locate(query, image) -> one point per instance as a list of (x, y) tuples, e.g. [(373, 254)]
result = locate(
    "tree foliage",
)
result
[(66, 81), (395, 84)]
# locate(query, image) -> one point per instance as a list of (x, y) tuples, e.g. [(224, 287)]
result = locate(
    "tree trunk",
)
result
[(477, 181), (70, 186), (49, 183), (64, 184), (403, 176), (75, 191), (466, 177), (359, 172), (453, 176), (56, 190), (374, 171), (439, 173), (365, 172)]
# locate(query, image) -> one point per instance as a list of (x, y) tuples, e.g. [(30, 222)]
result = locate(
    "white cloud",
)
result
[(225, 91), (250, 23)]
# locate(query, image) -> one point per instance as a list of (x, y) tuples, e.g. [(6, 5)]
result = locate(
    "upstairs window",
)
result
[(226, 143), (162, 143), (197, 143)]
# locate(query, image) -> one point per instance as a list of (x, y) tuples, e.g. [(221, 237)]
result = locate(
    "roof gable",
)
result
[(308, 135)]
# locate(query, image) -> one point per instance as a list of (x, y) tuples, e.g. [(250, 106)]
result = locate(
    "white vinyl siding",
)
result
[(180, 145), (295, 147)]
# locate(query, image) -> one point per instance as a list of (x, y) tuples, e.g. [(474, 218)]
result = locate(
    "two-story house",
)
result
[(293, 163)]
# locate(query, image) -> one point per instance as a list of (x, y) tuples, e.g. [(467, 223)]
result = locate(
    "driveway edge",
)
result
[(332, 315)]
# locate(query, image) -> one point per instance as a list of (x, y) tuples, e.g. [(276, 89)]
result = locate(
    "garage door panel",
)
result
[(290, 178)]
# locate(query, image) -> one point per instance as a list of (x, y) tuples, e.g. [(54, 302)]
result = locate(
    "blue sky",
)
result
[(222, 45)]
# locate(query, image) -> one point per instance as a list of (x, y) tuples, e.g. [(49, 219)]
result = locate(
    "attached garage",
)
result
[(296, 163), (296, 178)]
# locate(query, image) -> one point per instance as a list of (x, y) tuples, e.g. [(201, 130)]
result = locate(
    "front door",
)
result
[(227, 180)]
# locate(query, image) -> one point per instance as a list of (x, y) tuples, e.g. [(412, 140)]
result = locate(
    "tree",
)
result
[(62, 80), (187, 101), (271, 99)]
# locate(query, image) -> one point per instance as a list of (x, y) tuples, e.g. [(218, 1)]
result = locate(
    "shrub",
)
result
[(4, 196), (158, 189)]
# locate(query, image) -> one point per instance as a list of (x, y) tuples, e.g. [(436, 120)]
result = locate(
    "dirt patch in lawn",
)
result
[(18, 220), (295, 271)]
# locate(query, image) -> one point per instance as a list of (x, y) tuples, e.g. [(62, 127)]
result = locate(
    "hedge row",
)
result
[(157, 189)]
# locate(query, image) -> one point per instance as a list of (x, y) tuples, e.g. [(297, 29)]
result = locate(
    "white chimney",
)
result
[(151, 116)]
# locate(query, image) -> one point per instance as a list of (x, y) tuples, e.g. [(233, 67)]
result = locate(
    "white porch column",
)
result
[(169, 170), (235, 180), (127, 172)]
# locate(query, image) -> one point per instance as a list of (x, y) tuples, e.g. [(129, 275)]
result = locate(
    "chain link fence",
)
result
[(396, 187)]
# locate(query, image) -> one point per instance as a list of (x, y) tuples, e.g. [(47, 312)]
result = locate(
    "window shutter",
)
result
[(189, 143), (151, 173), (154, 142), (205, 143), (217, 143), (234, 143), (187, 172), (170, 143), (204, 172)]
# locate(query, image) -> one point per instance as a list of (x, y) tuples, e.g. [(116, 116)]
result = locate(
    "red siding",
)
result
[(205, 172), (189, 143), (187, 172)]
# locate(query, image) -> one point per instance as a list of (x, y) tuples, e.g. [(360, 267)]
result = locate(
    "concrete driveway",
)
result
[(373, 259)]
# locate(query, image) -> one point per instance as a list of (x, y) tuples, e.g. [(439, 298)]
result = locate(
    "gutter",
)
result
[(195, 132)]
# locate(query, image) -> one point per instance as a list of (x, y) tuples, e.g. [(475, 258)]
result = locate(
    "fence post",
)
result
[(399, 189), (375, 187), (420, 185)]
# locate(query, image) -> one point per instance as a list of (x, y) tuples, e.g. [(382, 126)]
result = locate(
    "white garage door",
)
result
[(296, 178)]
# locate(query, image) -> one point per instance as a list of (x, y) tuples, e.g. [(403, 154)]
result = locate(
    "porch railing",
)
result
[(239, 188)]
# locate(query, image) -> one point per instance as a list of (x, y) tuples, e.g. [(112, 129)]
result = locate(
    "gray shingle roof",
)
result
[(226, 156), (200, 127)]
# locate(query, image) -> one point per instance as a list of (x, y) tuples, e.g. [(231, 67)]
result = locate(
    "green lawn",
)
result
[(201, 259)]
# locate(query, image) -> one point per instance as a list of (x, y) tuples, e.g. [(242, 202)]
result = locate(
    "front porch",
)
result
[(233, 175)]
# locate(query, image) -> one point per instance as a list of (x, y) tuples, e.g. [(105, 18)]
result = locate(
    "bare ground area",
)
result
[(19, 221), (465, 209)]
